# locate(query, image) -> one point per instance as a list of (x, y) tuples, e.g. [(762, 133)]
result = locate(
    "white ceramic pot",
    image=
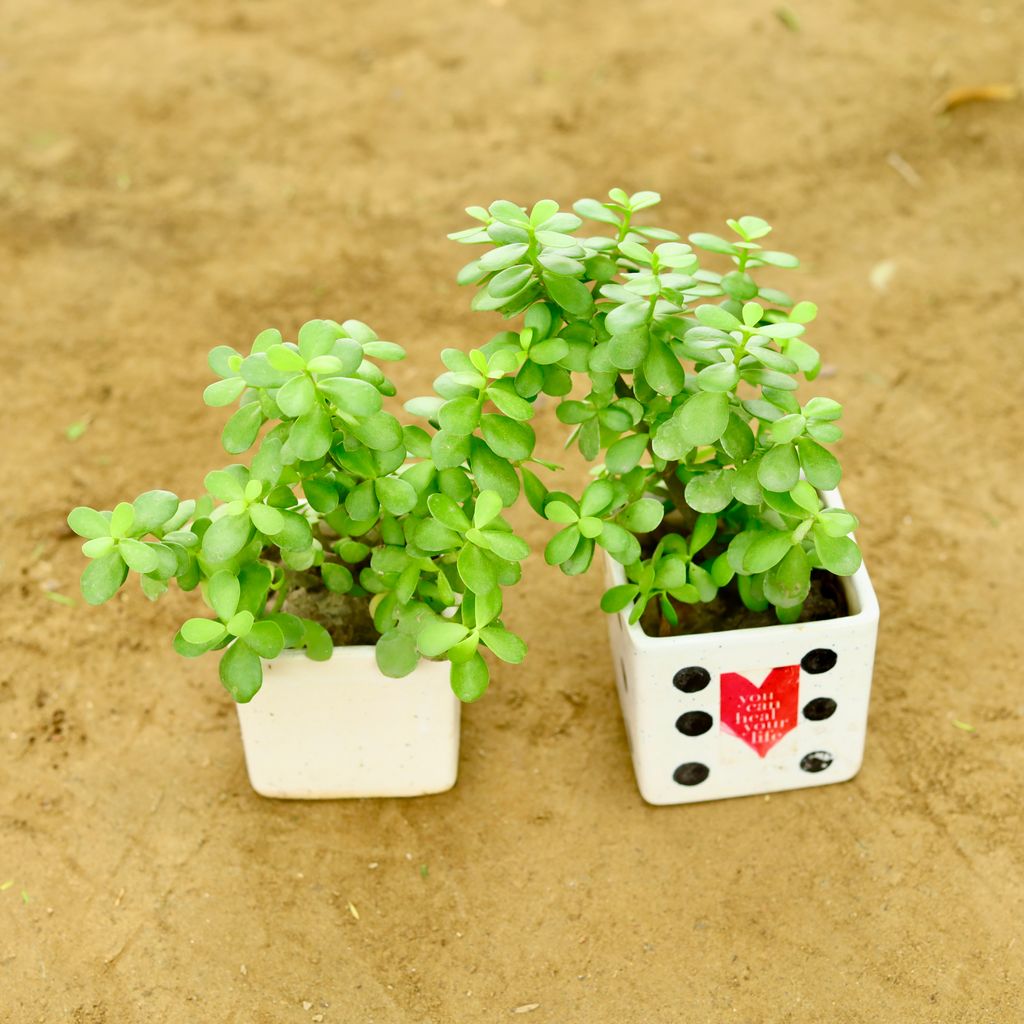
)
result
[(339, 728), (749, 710)]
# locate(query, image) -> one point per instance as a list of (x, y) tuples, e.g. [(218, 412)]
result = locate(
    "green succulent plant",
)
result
[(678, 377), (337, 494), (681, 378)]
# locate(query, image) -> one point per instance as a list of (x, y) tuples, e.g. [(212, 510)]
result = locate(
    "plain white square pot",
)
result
[(746, 711), (319, 730)]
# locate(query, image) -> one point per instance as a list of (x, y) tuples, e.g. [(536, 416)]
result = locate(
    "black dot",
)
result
[(821, 659), (691, 774), (819, 709), (694, 723), (817, 761), (691, 679)]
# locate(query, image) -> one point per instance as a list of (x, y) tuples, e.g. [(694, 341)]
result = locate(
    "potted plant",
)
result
[(349, 549), (742, 622)]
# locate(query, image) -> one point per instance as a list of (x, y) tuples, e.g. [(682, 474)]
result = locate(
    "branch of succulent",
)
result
[(338, 496), (691, 376)]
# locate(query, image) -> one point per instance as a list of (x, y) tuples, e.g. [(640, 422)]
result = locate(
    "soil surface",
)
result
[(825, 600), (177, 174)]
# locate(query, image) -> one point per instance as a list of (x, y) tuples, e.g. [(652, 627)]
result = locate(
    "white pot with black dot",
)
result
[(321, 730), (746, 711)]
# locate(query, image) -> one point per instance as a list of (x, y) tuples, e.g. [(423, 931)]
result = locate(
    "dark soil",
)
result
[(346, 617), (827, 600)]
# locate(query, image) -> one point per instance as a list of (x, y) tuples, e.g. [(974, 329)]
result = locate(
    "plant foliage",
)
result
[(338, 494), (682, 378)]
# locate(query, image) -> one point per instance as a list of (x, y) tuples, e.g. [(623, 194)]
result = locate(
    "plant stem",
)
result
[(676, 491)]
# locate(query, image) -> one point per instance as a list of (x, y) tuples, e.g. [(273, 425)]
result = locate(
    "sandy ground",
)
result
[(177, 174)]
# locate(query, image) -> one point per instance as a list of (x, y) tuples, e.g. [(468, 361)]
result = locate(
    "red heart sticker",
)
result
[(761, 715)]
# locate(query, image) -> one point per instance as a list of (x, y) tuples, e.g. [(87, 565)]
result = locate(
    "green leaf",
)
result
[(98, 546), (240, 431), (597, 498), (506, 545), (240, 624), (396, 654), (559, 512), (709, 492), (266, 639), (488, 508), (138, 556), (779, 469), (337, 578), (561, 547), (788, 428), (103, 577), (226, 484), (626, 453), (223, 592), (618, 598), (361, 502), (241, 672), (226, 537), (395, 495), (88, 523), (296, 534), (476, 569), (266, 519), (837, 522), (619, 543), (594, 210), (805, 496), (788, 584), (439, 636), (203, 632), (153, 509), (712, 243), (504, 643), (704, 417), (460, 416), (838, 554), (718, 377), (663, 370), (765, 550), (510, 403), (572, 295), (820, 466), (470, 679), (642, 516), (311, 434), (446, 511), (380, 431), (317, 337), (738, 439), (703, 530), (627, 351), (511, 439), (122, 519), (494, 473), (449, 450), (351, 395), (318, 643), (717, 317), (739, 286)]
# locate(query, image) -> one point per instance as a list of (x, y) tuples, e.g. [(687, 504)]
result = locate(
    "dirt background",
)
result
[(178, 174)]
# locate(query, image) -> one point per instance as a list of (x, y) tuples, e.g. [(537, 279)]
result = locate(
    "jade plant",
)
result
[(338, 498), (678, 380)]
